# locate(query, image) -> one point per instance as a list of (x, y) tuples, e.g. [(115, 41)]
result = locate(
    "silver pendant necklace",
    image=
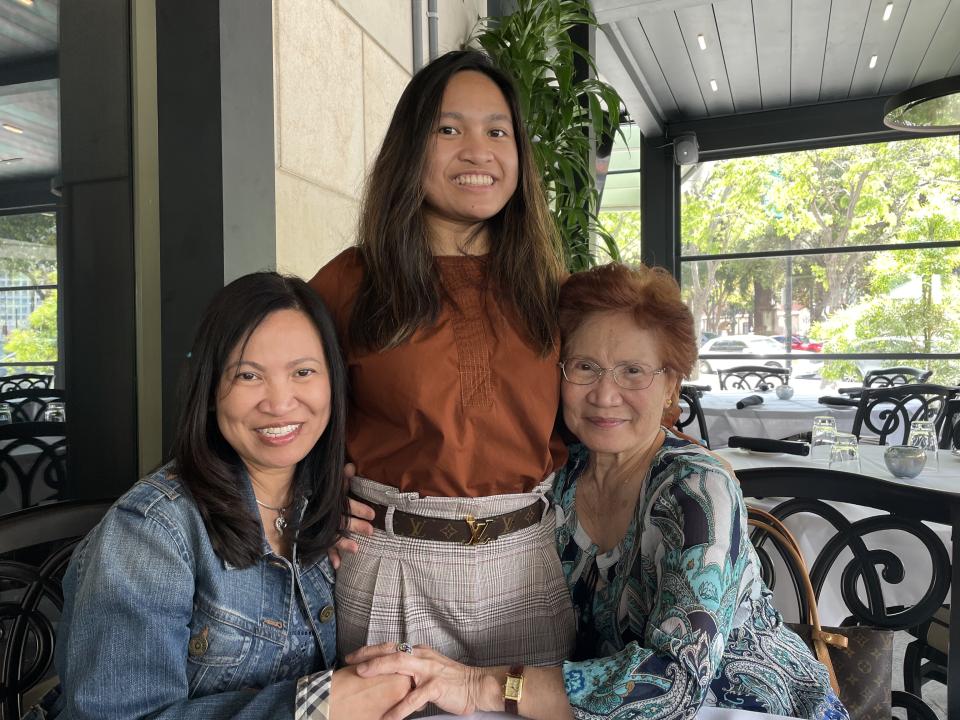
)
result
[(281, 522)]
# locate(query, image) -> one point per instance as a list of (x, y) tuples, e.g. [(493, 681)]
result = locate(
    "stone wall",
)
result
[(339, 68)]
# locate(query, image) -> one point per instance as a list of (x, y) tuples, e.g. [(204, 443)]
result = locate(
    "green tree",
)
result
[(28, 247), (37, 341), (624, 226)]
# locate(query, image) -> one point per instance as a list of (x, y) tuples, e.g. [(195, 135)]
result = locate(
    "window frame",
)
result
[(782, 148), (53, 209)]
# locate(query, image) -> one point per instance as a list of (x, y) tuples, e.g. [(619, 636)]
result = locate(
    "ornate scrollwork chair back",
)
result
[(25, 381), (885, 413), (35, 547), (692, 412), (895, 376), (30, 405), (33, 456), (853, 556), (751, 377)]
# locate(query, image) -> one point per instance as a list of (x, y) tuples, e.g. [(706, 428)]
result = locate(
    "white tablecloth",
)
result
[(813, 533), (774, 419)]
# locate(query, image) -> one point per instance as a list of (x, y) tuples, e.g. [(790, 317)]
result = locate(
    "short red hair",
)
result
[(650, 293)]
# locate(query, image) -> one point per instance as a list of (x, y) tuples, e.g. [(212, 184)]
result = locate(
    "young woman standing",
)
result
[(446, 310)]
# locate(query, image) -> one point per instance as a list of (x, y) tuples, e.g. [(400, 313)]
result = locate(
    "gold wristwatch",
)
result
[(513, 689)]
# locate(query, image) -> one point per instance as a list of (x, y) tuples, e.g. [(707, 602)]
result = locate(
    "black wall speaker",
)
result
[(685, 149)]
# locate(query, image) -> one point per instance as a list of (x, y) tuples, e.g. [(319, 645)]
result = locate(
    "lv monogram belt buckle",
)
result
[(478, 529)]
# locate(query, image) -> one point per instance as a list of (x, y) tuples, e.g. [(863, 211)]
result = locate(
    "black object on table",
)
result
[(767, 445)]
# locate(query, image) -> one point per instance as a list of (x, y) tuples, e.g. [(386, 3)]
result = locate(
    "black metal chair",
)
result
[(949, 429), (35, 547), (751, 377), (864, 571), (25, 381), (30, 405), (895, 376), (33, 455), (691, 411), (896, 407)]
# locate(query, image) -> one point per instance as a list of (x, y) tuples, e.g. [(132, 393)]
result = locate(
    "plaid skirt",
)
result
[(502, 603)]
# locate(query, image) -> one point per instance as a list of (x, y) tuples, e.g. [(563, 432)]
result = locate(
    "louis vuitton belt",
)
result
[(466, 531)]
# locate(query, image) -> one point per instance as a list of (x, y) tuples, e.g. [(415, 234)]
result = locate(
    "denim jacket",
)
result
[(155, 625)]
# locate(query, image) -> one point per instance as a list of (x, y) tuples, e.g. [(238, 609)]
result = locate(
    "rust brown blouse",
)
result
[(464, 408)]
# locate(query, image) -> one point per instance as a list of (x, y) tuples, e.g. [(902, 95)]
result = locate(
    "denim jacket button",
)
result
[(198, 643), (326, 615)]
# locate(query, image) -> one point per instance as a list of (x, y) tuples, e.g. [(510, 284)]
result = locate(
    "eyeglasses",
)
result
[(629, 376)]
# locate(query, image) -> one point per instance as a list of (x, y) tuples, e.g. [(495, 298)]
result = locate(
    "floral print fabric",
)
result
[(677, 616)]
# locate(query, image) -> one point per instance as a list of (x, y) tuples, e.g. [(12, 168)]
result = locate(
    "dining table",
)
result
[(774, 418)]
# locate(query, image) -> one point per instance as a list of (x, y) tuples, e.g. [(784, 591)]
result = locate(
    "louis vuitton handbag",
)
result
[(859, 659)]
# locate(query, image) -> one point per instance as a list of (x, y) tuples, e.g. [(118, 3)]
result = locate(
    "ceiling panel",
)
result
[(848, 19), (771, 19), (739, 53), (919, 27), (636, 41), (879, 38), (944, 51), (27, 32), (664, 37), (708, 64), (33, 108), (767, 54), (808, 38)]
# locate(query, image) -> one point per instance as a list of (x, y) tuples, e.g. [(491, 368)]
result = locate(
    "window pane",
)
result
[(889, 301), (28, 317), (28, 249), (625, 154), (881, 193)]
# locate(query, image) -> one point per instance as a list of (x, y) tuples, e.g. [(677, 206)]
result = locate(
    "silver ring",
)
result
[(405, 647)]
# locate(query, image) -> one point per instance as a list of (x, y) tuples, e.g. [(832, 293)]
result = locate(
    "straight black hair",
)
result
[(210, 468)]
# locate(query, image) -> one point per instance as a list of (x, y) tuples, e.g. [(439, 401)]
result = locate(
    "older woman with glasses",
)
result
[(652, 534)]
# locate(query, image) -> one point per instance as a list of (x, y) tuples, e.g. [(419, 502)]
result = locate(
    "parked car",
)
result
[(801, 342), (758, 347)]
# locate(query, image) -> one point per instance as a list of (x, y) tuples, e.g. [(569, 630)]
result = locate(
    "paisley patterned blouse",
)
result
[(676, 616)]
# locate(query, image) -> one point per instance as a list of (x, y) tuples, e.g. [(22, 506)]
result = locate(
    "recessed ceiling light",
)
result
[(873, 61), (887, 12), (713, 85), (28, 3), (702, 42), (12, 128)]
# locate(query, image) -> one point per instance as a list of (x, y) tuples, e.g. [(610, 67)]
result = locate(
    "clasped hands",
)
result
[(432, 678)]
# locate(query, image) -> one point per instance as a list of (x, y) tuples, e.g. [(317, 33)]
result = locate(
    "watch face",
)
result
[(512, 687)]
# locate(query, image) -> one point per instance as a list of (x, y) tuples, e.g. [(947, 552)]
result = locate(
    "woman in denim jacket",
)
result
[(206, 591)]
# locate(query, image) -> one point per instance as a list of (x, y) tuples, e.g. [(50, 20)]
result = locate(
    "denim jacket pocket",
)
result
[(216, 652)]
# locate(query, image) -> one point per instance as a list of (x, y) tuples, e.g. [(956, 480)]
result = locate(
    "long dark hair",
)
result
[(401, 291), (210, 468)]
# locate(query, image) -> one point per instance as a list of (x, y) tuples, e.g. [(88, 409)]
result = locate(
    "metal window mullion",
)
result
[(833, 250)]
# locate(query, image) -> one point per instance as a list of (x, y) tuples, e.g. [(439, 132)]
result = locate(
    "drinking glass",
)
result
[(55, 412), (923, 434), (6, 414), (824, 435), (845, 453)]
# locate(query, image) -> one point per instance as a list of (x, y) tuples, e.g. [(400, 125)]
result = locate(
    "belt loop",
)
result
[(388, 519)]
